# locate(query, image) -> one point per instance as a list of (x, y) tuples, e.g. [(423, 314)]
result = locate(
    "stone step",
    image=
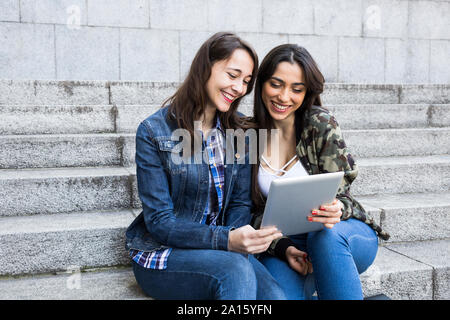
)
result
[(42, 191), (398, 142), (391, 175), (91, 150), (411, 216), (135, 92), (59, 190), (85, 119), (49, 243), (410, 271), (72, 150), (402, 272), (98, 284)]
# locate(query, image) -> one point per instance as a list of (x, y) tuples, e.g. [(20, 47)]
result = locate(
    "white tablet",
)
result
[(290, 201)]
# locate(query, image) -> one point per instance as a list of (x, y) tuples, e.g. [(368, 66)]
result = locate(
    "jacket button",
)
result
[(237, 155)]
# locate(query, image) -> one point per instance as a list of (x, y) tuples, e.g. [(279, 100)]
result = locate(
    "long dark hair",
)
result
[(190, 100), (314, 82)]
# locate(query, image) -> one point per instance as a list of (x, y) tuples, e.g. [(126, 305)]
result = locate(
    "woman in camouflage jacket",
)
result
[(287, 97)]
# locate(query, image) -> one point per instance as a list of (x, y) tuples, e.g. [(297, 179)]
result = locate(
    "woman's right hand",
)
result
[(248, 240), (297, 260)]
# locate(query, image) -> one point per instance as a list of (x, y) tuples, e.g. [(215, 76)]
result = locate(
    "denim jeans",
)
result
[(209, 274), (338, 256)]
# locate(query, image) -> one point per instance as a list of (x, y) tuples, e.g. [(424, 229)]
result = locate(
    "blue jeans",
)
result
[(338, 256), (209, 274)]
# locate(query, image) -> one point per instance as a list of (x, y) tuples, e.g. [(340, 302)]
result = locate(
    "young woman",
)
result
[(193, 239), (287, 98)]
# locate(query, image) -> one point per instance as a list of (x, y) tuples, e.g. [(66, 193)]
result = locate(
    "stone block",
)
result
[(435, 254), (130, 116), (71, 13), (153, 93), (439, 57), (361, 60), (423, 93), (10, 10), (407, 61), (439, 115), (27, 51), (412, 174), (398, 277), (78, 150), (190, 43), (150, 55), (119, 13), (385, 18), (263, 42), (34, 119), (111, 284), (63, 190), (338, 18), (288, 16), (324, 51), (235, 15), (341, 93), (398, 142), (78, 59), (179, 14), (42, 92), (429, 20), (49, 243)]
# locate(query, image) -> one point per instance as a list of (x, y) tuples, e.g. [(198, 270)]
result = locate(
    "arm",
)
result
[(157, 204)]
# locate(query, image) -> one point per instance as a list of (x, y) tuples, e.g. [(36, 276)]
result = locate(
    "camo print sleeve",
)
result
[(328, 152)]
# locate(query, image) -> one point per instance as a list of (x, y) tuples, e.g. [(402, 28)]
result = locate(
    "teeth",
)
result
[(228, 96), (279, 106)]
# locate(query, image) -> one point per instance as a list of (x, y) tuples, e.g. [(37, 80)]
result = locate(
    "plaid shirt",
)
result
[(214, 146)]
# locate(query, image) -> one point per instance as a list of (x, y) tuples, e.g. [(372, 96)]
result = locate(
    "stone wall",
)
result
[(354, 41)]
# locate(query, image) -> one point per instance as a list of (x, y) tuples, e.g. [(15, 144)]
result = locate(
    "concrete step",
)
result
[(411, 216), (49, 243), (41, 191), (72, 150), (84, 119), (391, 175), (398, 142), (403, 272), (410, 271), (97, 284), (91, 150), (124, 92)]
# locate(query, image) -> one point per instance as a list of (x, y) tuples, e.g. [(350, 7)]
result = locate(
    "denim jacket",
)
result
[(174, 195)]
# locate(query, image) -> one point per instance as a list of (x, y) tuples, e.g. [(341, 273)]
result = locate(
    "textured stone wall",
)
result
[(354, 41)]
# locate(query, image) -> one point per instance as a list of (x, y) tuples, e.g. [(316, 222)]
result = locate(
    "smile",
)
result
[(228, 97), (279, 107)]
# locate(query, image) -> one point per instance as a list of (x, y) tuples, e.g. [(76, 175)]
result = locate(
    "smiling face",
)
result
[(283, 93), (229, 80)]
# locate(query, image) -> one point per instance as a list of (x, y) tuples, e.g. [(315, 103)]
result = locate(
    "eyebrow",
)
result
[(295, 84)]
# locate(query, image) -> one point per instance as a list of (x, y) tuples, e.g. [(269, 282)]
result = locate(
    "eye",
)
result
[(274, 85), (297, 90), (232, 76)]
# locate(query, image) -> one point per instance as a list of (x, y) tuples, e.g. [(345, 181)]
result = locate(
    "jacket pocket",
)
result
[(170, 151)]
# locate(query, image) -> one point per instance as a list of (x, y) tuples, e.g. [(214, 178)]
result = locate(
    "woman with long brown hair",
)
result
[(287, 98), (192, 239)]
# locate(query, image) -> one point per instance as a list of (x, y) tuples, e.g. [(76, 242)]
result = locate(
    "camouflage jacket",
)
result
[(321, 149)]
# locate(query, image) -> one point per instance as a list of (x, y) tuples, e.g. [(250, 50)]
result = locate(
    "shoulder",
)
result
[(321, 119), (158, 123)]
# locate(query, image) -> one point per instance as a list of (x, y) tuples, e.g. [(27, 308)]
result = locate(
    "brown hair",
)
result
[(314, 82), (189, 101)]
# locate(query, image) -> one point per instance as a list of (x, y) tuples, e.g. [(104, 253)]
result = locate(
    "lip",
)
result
[(276, 109), (226, 98)]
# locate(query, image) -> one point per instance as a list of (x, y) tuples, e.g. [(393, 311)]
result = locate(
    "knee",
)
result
[(327, 239)]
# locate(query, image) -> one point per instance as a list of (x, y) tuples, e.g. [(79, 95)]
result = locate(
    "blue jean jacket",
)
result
[(174, 195)]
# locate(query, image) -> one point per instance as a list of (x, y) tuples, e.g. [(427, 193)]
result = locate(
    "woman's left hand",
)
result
[(328, 214)]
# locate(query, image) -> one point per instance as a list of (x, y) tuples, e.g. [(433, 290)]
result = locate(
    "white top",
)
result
[(265, 177)]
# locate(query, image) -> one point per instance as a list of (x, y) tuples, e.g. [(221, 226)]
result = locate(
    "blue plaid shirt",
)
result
[(214, 146)]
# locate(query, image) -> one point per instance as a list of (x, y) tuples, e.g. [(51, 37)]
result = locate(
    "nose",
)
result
[(284, 95), (238, 88)]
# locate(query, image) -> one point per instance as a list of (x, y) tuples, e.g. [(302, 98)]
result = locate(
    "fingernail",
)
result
[(314, 212), (322, 208), (309, 218)]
